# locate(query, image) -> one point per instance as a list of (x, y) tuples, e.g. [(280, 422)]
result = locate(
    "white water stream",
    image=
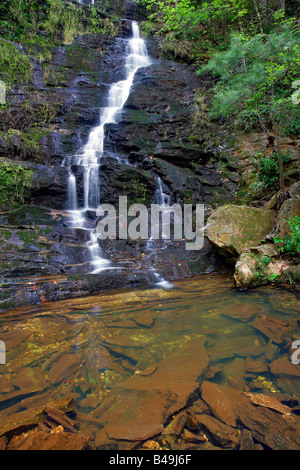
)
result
[(89, 160), (90, 157)]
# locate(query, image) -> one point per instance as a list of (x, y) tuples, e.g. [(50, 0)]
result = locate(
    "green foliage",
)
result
[(267, 169), (61, 21), (290, 244), (65, 23), (256, 76), (15, 184), (15, 66)]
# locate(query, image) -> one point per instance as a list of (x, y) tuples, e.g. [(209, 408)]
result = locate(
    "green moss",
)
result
[(15, 67), (15, 185), (5, 234), (28, 143)]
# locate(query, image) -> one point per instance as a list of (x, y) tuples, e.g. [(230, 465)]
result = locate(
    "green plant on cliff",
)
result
[(255, 79), (15, 66), (15, 185), (267, 170), (290, 244), (52, 21)]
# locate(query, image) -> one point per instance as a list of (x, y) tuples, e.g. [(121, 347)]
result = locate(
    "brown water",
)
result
[(86, 347)]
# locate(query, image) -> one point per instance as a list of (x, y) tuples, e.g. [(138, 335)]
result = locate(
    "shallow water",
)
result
[(86, 347)]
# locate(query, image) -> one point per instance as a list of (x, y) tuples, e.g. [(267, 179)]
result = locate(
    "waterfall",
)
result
[(164, 201), (90, 157)]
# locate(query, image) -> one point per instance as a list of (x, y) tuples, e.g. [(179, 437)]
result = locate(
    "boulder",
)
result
[(232, 229), (258, 265)]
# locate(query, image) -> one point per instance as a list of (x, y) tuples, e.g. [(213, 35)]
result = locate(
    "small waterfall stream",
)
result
[(164, 201), (90, 157)]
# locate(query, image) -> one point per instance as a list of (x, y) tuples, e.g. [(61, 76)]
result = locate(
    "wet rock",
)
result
[(176, 425), (199, 406), (145, 320), (60, 419), (18, 395), (151, 445), (3, 442), (193, 437), (246, 441), (268, 427), (234, 372), (48, 184), (220, 433), (255, 367), (243, 312), (64, 368), (29, 377), (277, 330), (5, 383), (250, 270), (284, 367), (231, 229), (149, 370), (243, 346), (268, 401), (152, 399), (158, 109), (212, 371), (14, 338), (39, 440), (191, 421), (245, 274), (292, 274), (218, 403)]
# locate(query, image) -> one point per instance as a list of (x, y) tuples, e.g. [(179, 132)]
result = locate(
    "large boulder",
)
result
[(232, 229)]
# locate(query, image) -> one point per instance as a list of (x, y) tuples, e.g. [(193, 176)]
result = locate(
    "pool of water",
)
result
[(87, 347)]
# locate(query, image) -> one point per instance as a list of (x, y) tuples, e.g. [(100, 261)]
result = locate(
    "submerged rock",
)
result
[(274, 329), (270, 402), (153, 398), (220, 406)]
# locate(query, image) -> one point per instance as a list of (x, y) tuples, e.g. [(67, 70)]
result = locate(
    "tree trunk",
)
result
[(280, 159)]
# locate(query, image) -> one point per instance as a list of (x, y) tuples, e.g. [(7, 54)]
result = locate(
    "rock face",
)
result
[(160, 107), (150, 142), (231, 229), (48, 184)]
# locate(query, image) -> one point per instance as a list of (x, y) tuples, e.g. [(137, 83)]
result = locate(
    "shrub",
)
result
[(290, 244), (14, 65)]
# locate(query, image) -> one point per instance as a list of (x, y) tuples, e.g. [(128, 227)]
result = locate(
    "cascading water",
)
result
[(164, 201), (90, 157)]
